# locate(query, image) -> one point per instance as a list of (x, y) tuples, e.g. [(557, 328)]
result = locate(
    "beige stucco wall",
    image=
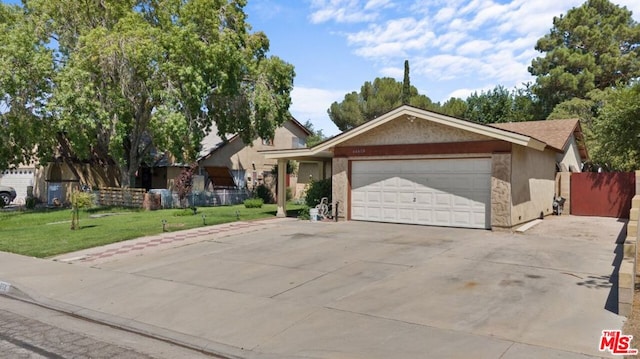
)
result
[(308, 171), (571, 157), (501, 190), (403, 131), (532, 183), (238, 156), (340, 185), (563, 189)]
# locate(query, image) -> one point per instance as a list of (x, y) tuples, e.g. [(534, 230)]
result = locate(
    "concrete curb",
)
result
[(209, 347)]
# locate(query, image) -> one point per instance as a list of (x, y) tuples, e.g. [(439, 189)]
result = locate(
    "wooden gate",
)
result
[(602, 194)]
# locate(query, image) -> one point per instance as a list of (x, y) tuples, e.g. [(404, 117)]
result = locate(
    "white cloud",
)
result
[(394, 72), (392, 39), (474, 47), (445, 14), (312, 104), (378, 4), (463, 93), (346, 11)]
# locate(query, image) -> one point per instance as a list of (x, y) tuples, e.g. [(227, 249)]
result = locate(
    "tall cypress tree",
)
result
[(406, 85)]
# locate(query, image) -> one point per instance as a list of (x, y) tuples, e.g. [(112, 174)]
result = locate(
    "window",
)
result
[(297, 142), (267, 141)]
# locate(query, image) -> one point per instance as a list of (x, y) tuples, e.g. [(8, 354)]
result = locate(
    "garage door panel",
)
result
[(459, 201), (424, 216), (461, 217), (390, 198), (424, 198), (479, 218), (374, 197), (404, 183), (374, 212), (405, 198), (405, 216), (443, 200), (446, 192), (442, 217)]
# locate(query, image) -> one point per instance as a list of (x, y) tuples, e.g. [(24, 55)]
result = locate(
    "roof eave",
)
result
[(411, 114), (296, 153)]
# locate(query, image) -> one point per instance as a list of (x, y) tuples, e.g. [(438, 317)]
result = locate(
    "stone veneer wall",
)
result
[(629, 271), (340, 185), (501, 190)]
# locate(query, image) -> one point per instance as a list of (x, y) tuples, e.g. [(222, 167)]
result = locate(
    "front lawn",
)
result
[(46, 233)]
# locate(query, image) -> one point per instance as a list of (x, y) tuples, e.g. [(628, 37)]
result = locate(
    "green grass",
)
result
[(45, 233)]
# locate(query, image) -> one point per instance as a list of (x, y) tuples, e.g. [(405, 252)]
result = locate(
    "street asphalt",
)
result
[(286, 288)]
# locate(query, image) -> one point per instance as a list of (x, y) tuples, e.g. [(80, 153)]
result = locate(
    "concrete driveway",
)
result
[(296, 289)]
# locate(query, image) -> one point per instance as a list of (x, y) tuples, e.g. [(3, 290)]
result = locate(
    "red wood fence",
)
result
[(602, 194)]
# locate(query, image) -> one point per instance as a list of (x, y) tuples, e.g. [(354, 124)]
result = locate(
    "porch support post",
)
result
[(282, 188)]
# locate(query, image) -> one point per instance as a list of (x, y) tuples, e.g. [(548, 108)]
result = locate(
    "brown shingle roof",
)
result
[(554, 133)]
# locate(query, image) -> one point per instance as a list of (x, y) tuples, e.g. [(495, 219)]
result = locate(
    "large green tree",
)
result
[(615, 130), (26, 65), (595, 46), (454, 106), (316, 136), (500, 105), (127, 76), (374, 99)]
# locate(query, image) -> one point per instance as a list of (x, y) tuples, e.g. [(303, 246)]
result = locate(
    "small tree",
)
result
[(79, 200), (184, 182)]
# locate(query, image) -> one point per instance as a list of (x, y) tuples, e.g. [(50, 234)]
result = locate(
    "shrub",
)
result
[(304, 213), (264, 193), (317, 190), (253, 203), (30, 203)]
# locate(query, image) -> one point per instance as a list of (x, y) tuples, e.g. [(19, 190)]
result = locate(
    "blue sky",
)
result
[(454, 47)]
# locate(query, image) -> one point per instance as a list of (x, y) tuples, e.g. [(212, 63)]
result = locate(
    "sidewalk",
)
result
[(139, 246)]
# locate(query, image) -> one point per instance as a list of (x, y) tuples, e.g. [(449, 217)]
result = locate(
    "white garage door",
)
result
[(19, 179), (442, 192)]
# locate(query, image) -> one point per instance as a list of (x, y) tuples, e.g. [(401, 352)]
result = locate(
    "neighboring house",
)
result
[(229, 164), (20, 178), (234, 164), (420, 167), (56, 180)]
